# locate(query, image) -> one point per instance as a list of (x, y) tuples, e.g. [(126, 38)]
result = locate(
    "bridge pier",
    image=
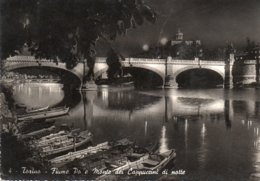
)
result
[(170, 82), (169, 79), (228, 79)]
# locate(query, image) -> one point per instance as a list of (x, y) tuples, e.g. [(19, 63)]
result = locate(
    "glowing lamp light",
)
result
[(145, 47), (163, 41)]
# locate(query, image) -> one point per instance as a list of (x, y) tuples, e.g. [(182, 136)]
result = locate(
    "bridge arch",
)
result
[(99, 72), (199, 77), (220, 72), (147, 67), (71, 76), (143, 75)]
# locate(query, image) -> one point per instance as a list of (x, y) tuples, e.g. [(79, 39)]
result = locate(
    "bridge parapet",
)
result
[(134, 60), (145, 60), (209, 62), (195, 62), (249, 61), (22, 58), (163, 61)]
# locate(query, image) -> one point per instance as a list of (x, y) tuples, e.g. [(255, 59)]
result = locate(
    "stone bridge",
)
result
[(165, 72), (169, 70)]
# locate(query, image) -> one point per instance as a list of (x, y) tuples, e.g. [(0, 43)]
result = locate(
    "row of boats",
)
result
[(60, 149), (71, 148)]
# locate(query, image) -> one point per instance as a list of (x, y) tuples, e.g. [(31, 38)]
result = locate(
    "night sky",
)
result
[(212, 21)]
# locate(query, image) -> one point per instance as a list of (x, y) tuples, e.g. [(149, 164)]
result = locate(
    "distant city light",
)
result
[(163, 41), (145, 47)]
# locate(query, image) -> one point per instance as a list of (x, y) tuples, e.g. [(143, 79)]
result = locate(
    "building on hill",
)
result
[(179, 39), (178, 48)]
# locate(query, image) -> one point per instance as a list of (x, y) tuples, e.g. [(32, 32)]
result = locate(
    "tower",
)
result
[(179, 35)]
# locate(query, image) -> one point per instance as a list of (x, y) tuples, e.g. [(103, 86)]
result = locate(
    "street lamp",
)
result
[(257, 54)]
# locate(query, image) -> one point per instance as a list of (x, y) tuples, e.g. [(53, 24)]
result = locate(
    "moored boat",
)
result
[(53, 135), (67, 144), (69, 157), (53, 138), (38, 133), (148, 162), (49, 113), (119, 155), (32, 110), (81, 154), (30, 125)]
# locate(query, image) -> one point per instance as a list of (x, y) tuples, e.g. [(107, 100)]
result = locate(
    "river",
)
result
[(215, 132)]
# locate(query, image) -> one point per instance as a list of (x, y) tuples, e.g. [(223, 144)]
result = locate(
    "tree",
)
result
[(114, 65), (67, 30)]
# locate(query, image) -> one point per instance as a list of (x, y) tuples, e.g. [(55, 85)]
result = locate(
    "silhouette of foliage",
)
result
[(67, 30), (114, 65)]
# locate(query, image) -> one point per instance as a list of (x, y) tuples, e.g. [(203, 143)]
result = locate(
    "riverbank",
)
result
[(7, 116), (12, 159), (5, 111)]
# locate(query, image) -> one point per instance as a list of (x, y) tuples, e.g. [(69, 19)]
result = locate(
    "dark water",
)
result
[(215, 132)]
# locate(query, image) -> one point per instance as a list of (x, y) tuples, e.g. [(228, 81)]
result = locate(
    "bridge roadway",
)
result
[(163, 68)]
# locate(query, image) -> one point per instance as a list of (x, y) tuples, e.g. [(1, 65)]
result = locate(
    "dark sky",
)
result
[(212, 21)]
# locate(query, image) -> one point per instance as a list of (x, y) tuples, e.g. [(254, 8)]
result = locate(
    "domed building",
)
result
[(179, 39)]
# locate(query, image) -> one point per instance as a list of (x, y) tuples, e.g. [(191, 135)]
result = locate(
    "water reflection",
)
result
[(123, 100), (163, 141), (145, 128), (215, 132), (186, 133), (36, 95), (203, 147), (228, 111), (257, 152)]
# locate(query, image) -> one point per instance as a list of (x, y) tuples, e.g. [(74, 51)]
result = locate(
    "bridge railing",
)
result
[(212, 62), (24, 58), (163, 61), (144, 60), (249, 61), (16, 59)]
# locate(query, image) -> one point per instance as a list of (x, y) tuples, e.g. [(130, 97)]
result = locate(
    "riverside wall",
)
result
[(244, 72)]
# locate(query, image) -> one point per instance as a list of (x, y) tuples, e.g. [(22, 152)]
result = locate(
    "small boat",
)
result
[(81, 154), (89, 86), (52, 135), (52, 138), (69, 157), (32, 110), (104, 160), (49, 113), (20, 105), (67, 144), (30, 125), (147, 162), (38, 133)]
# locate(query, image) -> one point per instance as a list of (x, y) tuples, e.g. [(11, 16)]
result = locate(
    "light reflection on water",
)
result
[(214, 132), (36, 94), (203, 150), (163, 141)]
